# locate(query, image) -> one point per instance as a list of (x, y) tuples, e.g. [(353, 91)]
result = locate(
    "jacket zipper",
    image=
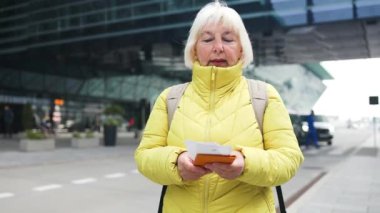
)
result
[(208, 134), (211, 102)]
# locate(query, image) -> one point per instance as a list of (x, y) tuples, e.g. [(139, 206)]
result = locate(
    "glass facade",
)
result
[(35, 23), (130, 50)]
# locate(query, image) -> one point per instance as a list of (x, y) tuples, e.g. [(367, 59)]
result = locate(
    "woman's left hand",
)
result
[(228, 171)]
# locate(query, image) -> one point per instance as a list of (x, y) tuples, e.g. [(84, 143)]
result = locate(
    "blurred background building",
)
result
[(70, 58)]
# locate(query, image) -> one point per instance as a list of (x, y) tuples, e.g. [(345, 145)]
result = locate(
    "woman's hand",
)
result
[(228, 171), (187, 170)]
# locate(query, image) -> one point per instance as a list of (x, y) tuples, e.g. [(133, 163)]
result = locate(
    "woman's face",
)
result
[(218, 46)]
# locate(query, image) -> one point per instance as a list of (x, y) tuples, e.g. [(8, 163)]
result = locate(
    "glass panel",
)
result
[(322, 2), (289, 12), (288, 4), (94, 18), (332, 12), (123, 13), (144, 10), (368, 8), (291, 18)]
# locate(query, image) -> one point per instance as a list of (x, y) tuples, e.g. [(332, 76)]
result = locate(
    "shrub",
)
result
[(89, 134), (113, 115), (76, 134), (35, 134)]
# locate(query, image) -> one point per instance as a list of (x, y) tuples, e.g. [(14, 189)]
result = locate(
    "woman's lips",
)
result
[(218, 63)]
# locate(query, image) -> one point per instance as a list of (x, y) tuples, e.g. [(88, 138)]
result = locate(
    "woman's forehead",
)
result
[(212, 27)]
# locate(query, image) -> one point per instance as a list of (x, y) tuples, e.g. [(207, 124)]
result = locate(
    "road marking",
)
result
[(135, 171), (295, 197), (47, 187), (6, 195), (115, 175), (84, 181)]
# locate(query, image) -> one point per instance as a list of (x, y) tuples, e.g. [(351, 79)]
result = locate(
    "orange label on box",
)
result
[(202, 159)]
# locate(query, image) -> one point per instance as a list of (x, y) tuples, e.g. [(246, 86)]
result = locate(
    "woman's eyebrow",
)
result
[(228, 33), (206, 33)]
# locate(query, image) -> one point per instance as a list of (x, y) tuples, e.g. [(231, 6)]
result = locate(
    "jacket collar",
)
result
[(225, 78)]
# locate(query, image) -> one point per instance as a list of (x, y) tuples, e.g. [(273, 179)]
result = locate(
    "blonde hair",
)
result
[(217, 12)]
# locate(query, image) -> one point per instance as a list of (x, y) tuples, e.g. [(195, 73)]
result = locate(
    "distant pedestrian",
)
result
[(312, 133), (131, 123), (8, 121)]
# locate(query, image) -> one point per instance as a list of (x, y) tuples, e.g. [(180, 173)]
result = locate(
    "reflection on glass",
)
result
[(332, 11), (289, 12), (368, 8)]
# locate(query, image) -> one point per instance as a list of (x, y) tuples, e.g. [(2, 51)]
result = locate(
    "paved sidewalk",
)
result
[(352, 187), (11, 156)]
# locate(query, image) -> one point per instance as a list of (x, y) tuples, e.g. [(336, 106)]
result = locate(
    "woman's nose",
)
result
[(218, 46)]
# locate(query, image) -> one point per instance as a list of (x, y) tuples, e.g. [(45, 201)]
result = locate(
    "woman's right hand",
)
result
[(187, 170)]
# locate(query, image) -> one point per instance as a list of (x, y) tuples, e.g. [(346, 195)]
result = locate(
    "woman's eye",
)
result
[(207, 40), (228, 40)]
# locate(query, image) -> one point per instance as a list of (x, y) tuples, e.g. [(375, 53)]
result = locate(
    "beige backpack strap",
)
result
[(172, 100), (258, 92), (259, 100)]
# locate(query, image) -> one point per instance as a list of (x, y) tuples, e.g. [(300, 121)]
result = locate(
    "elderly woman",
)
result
[(215, 107)]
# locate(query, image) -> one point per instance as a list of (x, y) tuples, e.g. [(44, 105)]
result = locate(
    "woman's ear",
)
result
[(241, 54)]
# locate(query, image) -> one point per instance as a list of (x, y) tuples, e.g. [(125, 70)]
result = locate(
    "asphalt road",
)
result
[(91, 181)]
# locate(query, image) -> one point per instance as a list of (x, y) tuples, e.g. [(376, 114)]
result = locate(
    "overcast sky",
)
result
[(347, 96)]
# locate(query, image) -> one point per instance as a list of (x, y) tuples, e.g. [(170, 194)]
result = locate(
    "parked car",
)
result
[(297, 126), (325, 129)]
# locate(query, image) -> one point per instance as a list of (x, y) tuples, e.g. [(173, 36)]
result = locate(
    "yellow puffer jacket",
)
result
[(216, 108)]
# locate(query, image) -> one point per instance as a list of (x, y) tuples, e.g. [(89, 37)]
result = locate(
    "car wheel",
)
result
[(329, 142)]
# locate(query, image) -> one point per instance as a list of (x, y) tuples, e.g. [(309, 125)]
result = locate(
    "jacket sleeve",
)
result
[(153, 157), (281, 157)]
